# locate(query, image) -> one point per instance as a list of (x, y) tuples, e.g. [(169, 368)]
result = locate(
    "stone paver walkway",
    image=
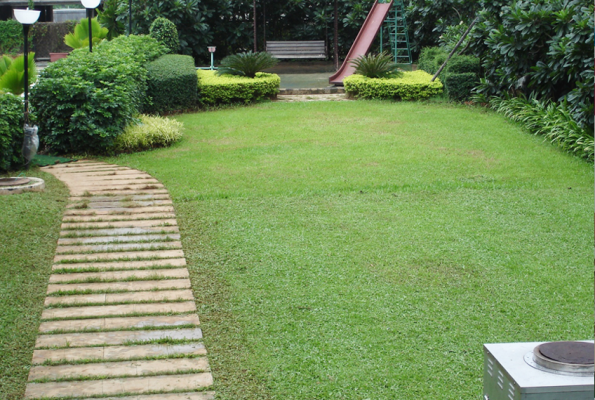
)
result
[(120, 317)]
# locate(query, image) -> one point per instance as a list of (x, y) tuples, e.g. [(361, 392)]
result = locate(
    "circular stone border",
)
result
[(36, 185)]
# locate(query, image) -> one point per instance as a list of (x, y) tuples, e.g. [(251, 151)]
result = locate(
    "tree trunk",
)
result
[(336, 55), (455, 49), (255, 37)]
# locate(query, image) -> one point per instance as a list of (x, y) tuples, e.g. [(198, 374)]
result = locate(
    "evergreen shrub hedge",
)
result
[(166, 33), (414, 85), (172, 83), (11, 131), (83, 102), (148, 133), (226, 89)]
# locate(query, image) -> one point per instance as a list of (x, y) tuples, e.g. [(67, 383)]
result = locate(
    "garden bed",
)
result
[(228, 89)]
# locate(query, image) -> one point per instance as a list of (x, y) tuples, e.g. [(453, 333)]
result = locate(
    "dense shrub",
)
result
[(83, 102), (414, 85), (166, 33), (172, 83), (246, 64), (226, 89), (11, 37), (148, 133), (431, 58), (11, 131), (460, 76), (541, 48), (550, 119), (458, 87), (376, 65)]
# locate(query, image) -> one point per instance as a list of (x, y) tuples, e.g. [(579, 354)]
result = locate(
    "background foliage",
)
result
[(11, 131), (83, 102)]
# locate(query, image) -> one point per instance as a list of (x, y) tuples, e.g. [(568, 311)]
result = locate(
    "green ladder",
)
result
[(396, 25)]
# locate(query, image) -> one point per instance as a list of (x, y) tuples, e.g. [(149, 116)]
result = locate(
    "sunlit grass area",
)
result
[(367, 250)]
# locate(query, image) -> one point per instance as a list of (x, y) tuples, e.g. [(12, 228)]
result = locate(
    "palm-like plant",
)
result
[(13, 79), (376, 66), (80, 37), (246, 64)]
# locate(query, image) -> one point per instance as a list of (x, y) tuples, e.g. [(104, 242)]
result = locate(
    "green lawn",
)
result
[(367, 250), (29, 226)]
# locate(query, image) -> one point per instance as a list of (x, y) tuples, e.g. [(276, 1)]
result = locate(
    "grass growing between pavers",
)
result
[(29, 226), (367, 250)]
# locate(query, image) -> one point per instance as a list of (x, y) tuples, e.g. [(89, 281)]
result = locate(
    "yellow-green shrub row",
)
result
[(413, 85), (150, 133), (225, 89)]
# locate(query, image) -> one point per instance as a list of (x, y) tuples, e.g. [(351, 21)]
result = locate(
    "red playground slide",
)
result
[(363, 41)]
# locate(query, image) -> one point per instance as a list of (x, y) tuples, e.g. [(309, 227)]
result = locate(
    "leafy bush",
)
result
[(12, 80), (246, 64), (463, 64), (108, 18), (550, 119), (83, 102), (226, 89), (414, 85), (11, 37), (149, 133), (11, 131), (166, 33), (172, 83), (458, 87), (80, 37), (543, 48), (431, 58), (376, 65)]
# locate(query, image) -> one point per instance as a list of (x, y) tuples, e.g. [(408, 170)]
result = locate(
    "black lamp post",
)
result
[(90, 5), (26, 18)]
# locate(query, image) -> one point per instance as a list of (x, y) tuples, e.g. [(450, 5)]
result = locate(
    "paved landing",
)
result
[(120, 316)]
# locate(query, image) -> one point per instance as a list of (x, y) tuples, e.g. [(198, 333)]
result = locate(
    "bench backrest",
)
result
[(302, 49)]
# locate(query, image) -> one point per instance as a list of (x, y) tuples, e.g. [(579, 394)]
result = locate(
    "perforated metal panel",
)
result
[(508, 377)]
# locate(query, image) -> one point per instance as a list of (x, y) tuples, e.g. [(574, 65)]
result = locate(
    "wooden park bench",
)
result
[(302, 49)]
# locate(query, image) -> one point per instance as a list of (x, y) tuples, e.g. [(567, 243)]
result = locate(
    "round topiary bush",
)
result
[(166, 33)]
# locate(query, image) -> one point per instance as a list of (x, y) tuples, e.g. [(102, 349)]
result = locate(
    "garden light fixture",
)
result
[(212, 50), (90, 5), (26, 18)]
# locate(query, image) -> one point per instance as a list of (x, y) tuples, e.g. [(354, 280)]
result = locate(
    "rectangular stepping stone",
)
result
[(121, 275), (118, 246), (107, 298), (120, 224), (169, 396), (121, 309), (95, 182), (168, 262), (136, 286), (74, 165), (120, 255), (123, 217), (81, 325), (119, 369), (123, 192), (128, 171), (114, 338), (117, 352), (116, 386), (103, 198), (128, 211), (120, 239), (121, 231)]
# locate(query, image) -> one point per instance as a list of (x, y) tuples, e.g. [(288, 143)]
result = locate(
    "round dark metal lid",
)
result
[(14, 181), (580, 353)]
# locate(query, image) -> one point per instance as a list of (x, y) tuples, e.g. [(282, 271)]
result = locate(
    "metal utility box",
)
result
[(508, 375)]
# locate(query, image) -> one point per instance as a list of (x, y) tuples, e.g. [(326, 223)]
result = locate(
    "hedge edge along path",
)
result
[(121, 330)]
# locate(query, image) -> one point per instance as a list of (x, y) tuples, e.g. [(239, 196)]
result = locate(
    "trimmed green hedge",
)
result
[(226, 89), (83, 102), (11, 131), (460, 76), (414, 85), (172, 84), (11, 37)]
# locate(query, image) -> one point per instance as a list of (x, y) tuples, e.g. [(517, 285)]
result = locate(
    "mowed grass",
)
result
[(29, 226), (367, 250)]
